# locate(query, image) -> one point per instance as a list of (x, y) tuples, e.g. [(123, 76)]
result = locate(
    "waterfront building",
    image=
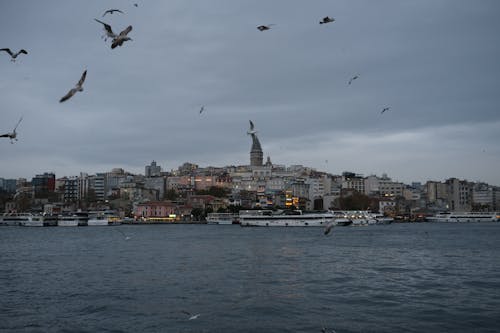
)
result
[(459, 194), (43, 184), (152, 170), (353, 181)]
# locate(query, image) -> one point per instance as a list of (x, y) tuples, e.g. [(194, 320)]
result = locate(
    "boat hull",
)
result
[(299, 220)]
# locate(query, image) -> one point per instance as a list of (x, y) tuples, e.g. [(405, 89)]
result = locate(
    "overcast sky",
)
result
[(435, 63)]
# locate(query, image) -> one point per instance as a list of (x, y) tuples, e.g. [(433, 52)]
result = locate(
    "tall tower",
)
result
[(256, 155)]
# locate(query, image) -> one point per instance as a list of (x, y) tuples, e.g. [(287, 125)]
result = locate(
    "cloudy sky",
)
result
[(435, 63)]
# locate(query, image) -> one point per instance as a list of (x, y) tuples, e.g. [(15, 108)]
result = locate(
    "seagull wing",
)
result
[(20, 119), (68, 95), (4, 136), (23, 51), (107, 27), (82, 79), (8, 51), (251, 125), (126, 31)]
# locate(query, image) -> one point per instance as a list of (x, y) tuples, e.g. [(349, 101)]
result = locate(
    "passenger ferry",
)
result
[(40, 221), (14, 219), (104, 218), (222, 218), (285, 218), (28, 220), (75, 220), (465, 217)]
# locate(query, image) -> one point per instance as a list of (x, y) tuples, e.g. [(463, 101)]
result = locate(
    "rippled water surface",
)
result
[(394, 278)]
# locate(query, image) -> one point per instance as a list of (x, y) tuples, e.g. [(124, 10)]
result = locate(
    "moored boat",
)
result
[(295, 218), (40, 221), (221, 218), (14, 219), (74, 220), (464, 217)]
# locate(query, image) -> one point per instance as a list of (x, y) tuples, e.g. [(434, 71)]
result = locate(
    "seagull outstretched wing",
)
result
[(18, 124), (126, 31), (8, 51), (107, 28), (78, 87), (111, 11)]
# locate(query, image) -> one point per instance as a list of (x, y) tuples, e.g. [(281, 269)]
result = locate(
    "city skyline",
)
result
[(434, 64)]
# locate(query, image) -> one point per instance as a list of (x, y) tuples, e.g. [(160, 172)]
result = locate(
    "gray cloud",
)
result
[(434, 63)]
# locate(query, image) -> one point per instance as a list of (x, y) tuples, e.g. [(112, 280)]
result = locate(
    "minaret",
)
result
[(256, 155)]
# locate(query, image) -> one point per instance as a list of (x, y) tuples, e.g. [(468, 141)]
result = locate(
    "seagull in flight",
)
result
[(265, 27), (326, 19), (251, 130), (353, 78), (13, 55), (122, 37), (78, 87), (191, 316), (385, 109), (12, 136), (108, 31), (328, 228), (111, 11), (119, 39)]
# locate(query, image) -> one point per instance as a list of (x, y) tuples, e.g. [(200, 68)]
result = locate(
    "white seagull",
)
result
[(13, 55), (122, 37), (119, 39), (251, 130), (328, 228), (111, 11), (108, 31), (78, 87), (13, 135), (326, 19), (191, 316)]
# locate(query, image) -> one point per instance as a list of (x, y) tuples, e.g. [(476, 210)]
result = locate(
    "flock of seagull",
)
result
[(118, 40)]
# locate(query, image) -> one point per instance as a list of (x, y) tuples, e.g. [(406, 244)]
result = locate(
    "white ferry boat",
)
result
[(295, 218), (104, 218), (222, 218), (40, 221), (75, 220), (465, 217), (14, 219)]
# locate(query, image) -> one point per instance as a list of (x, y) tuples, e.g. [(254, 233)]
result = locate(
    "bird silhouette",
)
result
[(111, 11), (385, 109), (78, 87), (13, 55), (353, 78), (326, 19), (265, 27)]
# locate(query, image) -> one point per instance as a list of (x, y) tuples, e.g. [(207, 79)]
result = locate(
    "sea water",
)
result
[(420, 277)]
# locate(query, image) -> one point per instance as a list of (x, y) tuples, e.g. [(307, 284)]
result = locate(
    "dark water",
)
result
[(395, 278)]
